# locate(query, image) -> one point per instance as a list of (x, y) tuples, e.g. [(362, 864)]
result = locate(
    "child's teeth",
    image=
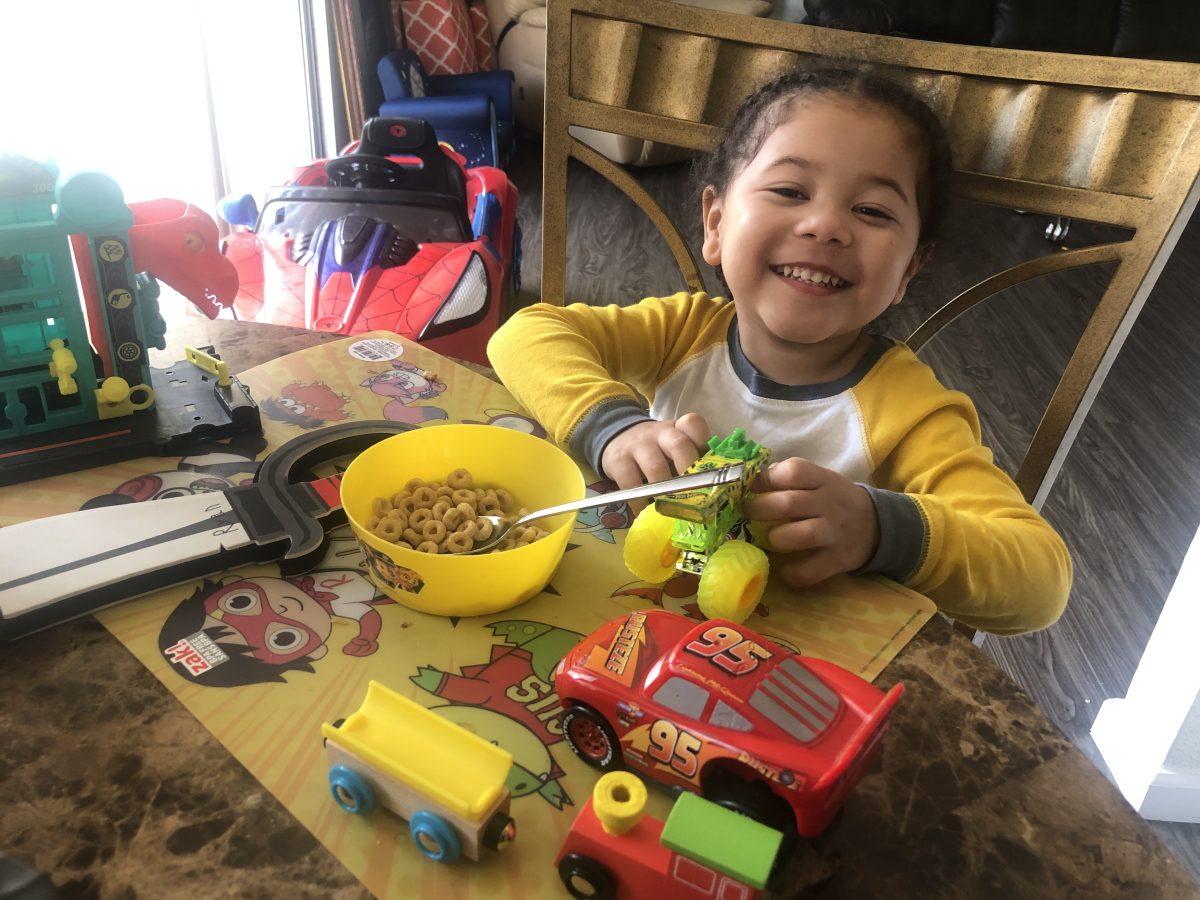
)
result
[(809, 275)]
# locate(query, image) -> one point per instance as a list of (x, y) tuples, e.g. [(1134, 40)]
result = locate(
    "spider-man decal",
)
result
[(406, 299), (246, 258), (278, 294), (326, 305)]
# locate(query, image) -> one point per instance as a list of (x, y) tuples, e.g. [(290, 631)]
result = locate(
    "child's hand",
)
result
[(647, 451), (824, 521)]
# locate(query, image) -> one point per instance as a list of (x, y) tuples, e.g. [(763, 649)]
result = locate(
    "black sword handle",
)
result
[(275, 507)]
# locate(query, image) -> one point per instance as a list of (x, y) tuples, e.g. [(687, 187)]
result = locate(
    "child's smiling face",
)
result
[(818, 234)]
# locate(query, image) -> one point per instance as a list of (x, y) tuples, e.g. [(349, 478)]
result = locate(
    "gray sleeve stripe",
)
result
[(901, 535), (601, 424)]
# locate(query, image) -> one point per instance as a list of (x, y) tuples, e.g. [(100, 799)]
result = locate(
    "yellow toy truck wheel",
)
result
[(619, 800), (649, 553), (733, 581)]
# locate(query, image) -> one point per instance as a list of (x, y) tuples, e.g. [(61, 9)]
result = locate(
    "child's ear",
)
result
[(915, 265), (711, 209)]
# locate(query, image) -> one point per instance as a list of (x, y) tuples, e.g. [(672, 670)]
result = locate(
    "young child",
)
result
[(819, 207)]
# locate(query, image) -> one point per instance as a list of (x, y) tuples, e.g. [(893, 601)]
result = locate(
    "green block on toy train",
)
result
[(721, 839)]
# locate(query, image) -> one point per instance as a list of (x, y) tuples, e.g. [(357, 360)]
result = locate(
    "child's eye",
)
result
[(788, 192), (873, 212)]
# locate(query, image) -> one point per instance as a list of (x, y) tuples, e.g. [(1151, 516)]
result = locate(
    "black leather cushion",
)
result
[(1151, 29), (1068, 26), (1159, 29), (932, 20)]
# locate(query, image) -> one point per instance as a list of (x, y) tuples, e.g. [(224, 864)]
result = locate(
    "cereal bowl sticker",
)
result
[(375, 350), (388, 574)]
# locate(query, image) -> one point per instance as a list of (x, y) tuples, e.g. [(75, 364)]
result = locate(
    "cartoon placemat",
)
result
[(305, 647)]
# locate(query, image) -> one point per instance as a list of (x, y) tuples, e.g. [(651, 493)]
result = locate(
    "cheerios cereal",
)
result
[(445, 516)]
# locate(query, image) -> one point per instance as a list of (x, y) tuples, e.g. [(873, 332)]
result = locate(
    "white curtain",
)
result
[(189, 99)]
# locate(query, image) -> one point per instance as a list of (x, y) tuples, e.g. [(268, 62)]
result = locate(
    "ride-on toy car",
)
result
[(715, 708), (690, 532), (396, 233)]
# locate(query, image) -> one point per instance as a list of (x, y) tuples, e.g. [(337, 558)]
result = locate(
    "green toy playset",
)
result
[(78, 312)]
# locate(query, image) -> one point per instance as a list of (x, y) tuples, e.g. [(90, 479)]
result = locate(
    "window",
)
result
[(725, 716), (187, 100), (682, 696)]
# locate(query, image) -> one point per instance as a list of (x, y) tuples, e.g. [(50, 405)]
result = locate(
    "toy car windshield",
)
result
[(420, 224)]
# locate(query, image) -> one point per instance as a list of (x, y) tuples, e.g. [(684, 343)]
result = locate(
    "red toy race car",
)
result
[(394, 234), (714, 707)]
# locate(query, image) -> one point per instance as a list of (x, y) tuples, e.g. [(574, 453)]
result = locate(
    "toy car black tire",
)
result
[(752, 799), (598, 746), (576, 867)]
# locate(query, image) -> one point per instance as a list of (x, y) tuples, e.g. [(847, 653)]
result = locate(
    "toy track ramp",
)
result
[(433, 756)]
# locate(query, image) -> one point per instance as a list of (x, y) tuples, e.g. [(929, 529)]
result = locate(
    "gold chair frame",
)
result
[(1096, 138)]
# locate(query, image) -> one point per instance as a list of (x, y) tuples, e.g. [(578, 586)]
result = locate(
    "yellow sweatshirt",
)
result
[(952, 525)]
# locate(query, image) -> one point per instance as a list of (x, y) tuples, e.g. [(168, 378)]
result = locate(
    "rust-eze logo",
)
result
[(624, 646), (614, 661), (197, 653)]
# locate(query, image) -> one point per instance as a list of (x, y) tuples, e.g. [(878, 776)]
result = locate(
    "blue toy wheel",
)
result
[(434, 837), (350, 791)]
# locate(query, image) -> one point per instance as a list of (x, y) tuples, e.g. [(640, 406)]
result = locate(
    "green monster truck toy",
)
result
[(689, 532)]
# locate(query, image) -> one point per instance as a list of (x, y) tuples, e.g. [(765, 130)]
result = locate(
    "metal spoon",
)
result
[(707, 478)]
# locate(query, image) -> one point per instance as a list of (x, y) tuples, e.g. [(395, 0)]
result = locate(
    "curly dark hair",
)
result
[(764, 109)]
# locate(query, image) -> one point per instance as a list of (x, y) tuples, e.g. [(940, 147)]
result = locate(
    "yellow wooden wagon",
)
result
[(447, 782)]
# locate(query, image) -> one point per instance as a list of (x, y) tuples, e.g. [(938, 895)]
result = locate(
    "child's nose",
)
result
[(824, 223)]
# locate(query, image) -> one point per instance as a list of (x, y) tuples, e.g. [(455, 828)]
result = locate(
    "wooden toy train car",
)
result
[(394, 751), (613, 852)]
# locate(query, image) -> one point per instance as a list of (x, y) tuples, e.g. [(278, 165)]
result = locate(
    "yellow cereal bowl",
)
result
[(533, 470)]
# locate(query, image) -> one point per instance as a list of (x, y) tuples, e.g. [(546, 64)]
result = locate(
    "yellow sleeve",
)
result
[(562, 362), (987, 558)]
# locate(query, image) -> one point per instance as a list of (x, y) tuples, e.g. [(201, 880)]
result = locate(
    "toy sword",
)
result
[(62, 567)]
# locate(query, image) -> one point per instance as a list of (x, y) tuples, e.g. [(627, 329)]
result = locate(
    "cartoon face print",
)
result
[(406, 381), (215, 468), (277, 619), (405, 384), (391, 574), (160, 486), (306, 405), (252, 630)]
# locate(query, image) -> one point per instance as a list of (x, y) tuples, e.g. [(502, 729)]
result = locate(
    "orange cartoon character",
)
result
[(307, 405)]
